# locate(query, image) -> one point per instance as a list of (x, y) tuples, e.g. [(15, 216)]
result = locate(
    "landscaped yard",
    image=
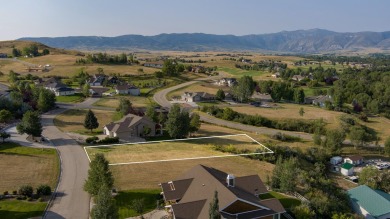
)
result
[(286, 201), (21, 209), (167, 150), (239, 72), (27, 166), (76, 98), (125, 198), (73, 120)]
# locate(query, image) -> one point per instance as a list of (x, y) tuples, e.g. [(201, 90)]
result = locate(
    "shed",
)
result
[(336, 160), (347, 169)]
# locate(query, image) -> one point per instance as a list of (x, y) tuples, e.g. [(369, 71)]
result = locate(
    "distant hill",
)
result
[(300, 41), (7, 46)]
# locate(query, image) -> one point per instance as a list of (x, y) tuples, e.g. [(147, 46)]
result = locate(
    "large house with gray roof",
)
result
[(130, 126), (370, 203), (190, 195)]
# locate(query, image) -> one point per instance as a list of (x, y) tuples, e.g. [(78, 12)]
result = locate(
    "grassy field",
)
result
[(21, 209), (239, 72), (72, 120), (147, 176), (286, 201), (113, 102), (207, 87), (77, 98), (27, 166), (124, 199), (188, 148)]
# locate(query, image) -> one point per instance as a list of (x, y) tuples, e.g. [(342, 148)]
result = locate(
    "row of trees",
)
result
[(31, 50), (104, 58), (281, 91)]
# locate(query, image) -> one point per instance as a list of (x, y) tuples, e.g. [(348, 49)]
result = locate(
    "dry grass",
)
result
[(73, 120), (27, 166), (198, 87), (189, 148), (113, 102), (147, 176), (381, 126)]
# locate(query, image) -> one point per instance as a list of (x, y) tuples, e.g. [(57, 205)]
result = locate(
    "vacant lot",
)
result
[(73, 120), (113, 102), (147, 176), (188, 148), (27, 166)]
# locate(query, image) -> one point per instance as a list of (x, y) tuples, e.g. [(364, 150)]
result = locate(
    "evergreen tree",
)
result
[(151, 113), (30, 124), (301, 111), (195, 122), (86, 88), (214, 207), (299, 96), (220, 95), (244, 88), (333, 141), (105, 207), (46, 100), (177, 123), (90, 121), (98, 175), (169, 68)]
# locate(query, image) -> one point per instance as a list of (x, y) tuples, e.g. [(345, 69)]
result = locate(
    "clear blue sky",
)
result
[(48, 18)]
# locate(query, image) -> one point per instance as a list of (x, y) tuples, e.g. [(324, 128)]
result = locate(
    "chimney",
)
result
[(230, 180)]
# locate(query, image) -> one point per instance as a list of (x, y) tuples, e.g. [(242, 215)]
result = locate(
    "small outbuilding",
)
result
[(347, 169), (355, 160), (336, 160)]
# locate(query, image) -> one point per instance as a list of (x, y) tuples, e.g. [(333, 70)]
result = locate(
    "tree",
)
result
[(299, 96), (317, 138), (342, 216), (4, 135), (98, 175), (16, 52), (214, 207), (220, 95), (301, 111), (333, 141), (105, 207), (151, 113), (5, 116), (125, 106), (357, 135), (387, 147), (30, 124), (303, 211), (12, 77), (244, 88), (86, 88), (44, 190), (46, 100), (138, 205), (26, 190), (178, 122), (45, 52), (369, 176), (90, 121), (194, 122), (169, 68)]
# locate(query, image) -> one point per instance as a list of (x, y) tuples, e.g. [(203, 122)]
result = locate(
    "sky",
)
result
[(54, 18)]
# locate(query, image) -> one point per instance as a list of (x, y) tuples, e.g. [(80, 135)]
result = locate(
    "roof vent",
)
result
[(230, 180)]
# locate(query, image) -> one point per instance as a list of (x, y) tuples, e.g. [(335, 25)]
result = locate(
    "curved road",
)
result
[(161, 98)]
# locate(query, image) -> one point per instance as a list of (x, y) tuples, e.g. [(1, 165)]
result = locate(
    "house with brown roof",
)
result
[(130, 126), (197, 97), (127, 89), (158, 64), (354, 160), (190, 195)]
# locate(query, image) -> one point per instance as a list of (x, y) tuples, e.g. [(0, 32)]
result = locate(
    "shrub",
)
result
[(108, 140), (92, 140), (5, 193), (26, 190), (41, 200), (29, 199), (14, 192), (44, 190)]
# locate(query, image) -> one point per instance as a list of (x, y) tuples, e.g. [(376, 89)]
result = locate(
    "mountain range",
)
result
[(299, 41)]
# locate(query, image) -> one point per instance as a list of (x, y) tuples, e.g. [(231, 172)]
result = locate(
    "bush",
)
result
[(41, 200), (108, 140), (5, 193), (26, 190), (14, 192), (283, 137), (29, 199), (92, 140), (44, 190)]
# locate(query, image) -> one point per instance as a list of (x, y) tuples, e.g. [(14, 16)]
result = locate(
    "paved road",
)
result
[(87, 104), (161, 98)]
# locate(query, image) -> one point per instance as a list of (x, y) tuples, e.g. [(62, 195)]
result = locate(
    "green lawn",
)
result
[(21, 209), (124, 199), (76, 98), (240, 72), (286, 201)]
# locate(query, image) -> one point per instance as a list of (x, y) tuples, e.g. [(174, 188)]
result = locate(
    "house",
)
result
[(370, 203), (56, 86), (228, 96), (318, 100), (113, 80), (276, 75), (97, 91), (354, 160), (197, 97), (230, 82), (3, 55), (298, 77), (336, 160), (64, 91), (158, 64), (190, 195), (127, 89), (130, 126), (96, 80), (347, 169)]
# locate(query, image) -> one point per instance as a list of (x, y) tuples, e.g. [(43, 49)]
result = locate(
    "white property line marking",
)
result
[(182, 159)]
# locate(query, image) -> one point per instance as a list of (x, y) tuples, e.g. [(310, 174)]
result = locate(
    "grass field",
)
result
[(21, 209), (124, 199), (76, 98), (27, 166), (177, 149), (286, 201), (147, 176), (207, 87), (113, 102), (239, 72), (72, 120)]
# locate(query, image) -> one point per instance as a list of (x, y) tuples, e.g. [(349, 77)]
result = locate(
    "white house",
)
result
[(64, 91), (230, 82), (354, 160), (347, 169), (197, 97), (370, 203)]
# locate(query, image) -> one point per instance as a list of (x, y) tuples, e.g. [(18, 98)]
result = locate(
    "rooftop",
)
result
[(375, 202)]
